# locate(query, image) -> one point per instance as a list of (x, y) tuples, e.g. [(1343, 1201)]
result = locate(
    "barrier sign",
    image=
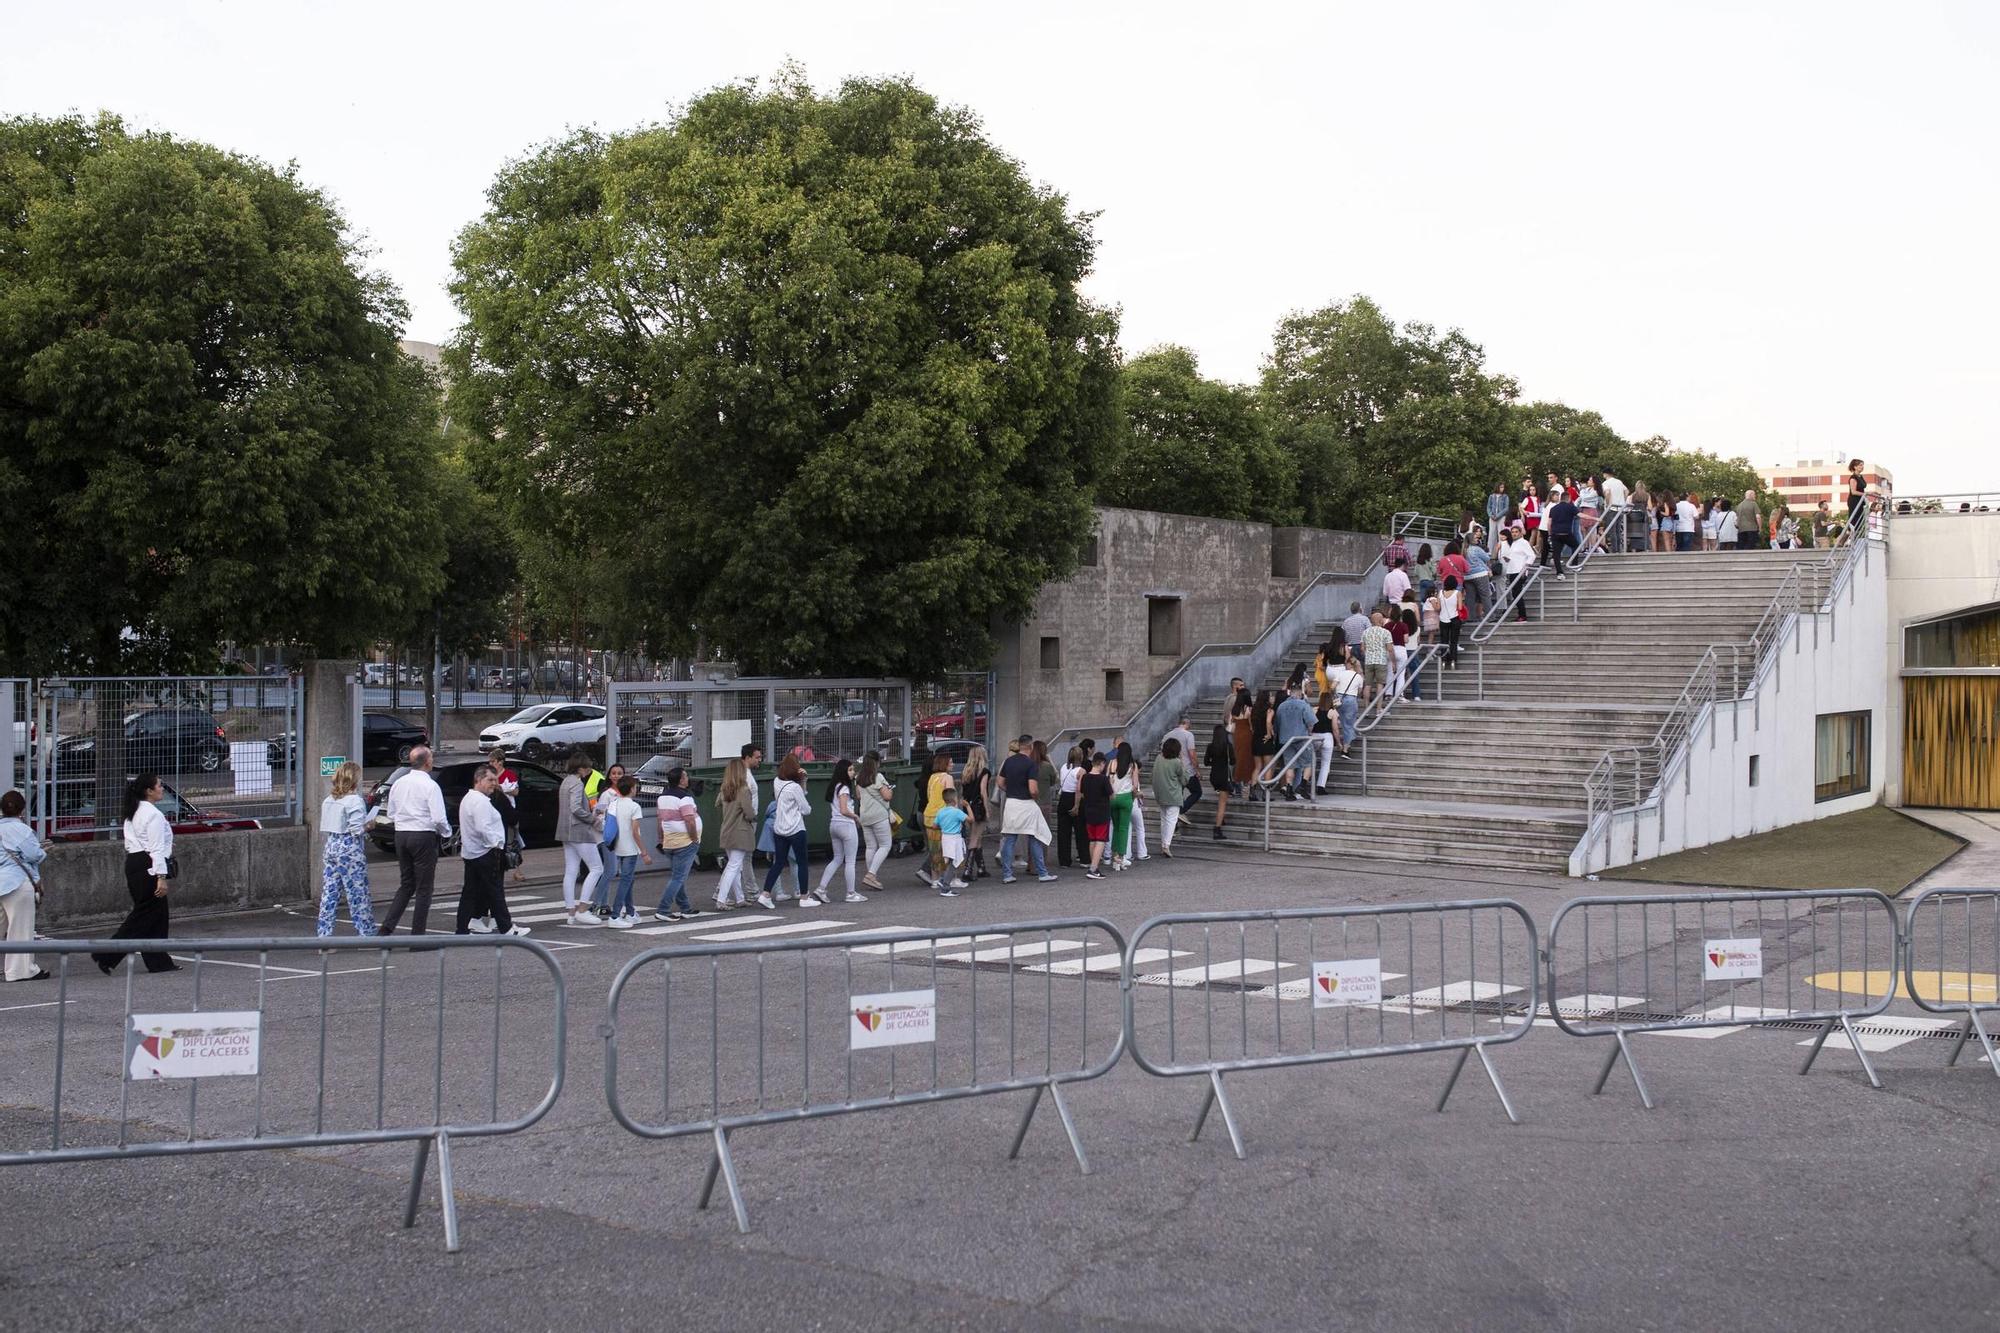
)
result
[(200, 1045), (329, 764), (1346, 982), (1732, 960), (893, 1018)]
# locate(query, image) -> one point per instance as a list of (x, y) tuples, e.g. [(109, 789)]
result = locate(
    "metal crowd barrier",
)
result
[(219, 1026), (828, 1043), (1451, 959), (1963, 991), (1699, 955)]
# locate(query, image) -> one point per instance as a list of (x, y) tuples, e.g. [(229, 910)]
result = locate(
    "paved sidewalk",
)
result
[(1978, 865)]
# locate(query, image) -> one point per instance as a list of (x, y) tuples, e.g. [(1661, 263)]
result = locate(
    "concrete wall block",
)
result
[(86, 880)]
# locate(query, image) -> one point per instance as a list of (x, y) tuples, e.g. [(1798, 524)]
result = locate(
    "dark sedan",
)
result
[(536, 802), (385, 740), (158, 740)]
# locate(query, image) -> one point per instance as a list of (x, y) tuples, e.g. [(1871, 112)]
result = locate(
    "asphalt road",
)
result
[(1749, 1197)]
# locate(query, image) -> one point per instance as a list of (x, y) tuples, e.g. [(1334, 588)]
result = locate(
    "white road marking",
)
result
[(1104, 962), (45, 1004), (793, 928), (1230, 969), (1015, 953), (707, 921), (1440, 997), (1879, 1034)]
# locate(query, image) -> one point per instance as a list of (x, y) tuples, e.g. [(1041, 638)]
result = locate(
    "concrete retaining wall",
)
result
[(247, 868), (1835, 661), (1231, 578)]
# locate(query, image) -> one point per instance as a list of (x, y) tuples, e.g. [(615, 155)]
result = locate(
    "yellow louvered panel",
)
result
[(1951, 741)]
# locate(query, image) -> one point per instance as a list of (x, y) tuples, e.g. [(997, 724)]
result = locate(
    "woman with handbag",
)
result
[(878, 817), (149, 865), (21, 856)]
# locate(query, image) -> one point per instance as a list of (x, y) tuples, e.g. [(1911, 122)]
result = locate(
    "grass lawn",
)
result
[(1876, 848)]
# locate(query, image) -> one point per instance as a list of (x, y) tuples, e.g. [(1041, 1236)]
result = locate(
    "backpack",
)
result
[(610, 838)]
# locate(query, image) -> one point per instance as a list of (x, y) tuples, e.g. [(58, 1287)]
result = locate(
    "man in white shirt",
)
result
[(482, 837), (1183, 733), (1394, 584), (1616, 497), (1687, 522), (1516, 559), (416, 807)]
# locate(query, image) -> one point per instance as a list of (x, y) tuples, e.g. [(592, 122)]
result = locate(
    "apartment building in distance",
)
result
[(1804, 483)]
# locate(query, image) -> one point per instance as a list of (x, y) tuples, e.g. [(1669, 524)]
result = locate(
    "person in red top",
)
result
[(1452, 564), (1531, 515)]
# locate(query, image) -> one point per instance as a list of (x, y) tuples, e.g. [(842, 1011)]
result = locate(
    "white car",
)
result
[(540, 728)]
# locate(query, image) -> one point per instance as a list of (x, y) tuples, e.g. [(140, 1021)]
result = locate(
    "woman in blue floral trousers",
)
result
[(341, 817)]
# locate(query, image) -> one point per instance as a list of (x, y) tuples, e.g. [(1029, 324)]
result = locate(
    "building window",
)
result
[(1163, 626), (1088, 560), (1753, 770), (1840, 755), (1114, 687), (1051, 653)]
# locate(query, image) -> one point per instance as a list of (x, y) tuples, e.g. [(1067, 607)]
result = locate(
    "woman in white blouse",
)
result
[(149, 854), (341, 818)]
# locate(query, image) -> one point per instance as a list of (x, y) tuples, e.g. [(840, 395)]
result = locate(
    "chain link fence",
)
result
[(224, 747)]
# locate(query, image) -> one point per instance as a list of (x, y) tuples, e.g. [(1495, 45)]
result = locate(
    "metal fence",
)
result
[(226, 748), (887, 1018), (240, 1052), (1938, 971), (1410, 979), (704, 723), (1675, 962)]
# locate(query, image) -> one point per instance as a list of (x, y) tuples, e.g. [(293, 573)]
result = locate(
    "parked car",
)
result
[(543, 729), (162, 740), (536, 802), (958, 750), (950, 721), (652, 778), (385, 739), (848, 728), (76, 814)]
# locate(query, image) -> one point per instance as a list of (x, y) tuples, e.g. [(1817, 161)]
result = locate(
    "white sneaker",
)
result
[(479, 926), (518, 930), (623, 922), (807, 900), (1046, 879), (960, 884), (855, 898), (585, 918), (925, 876), (764, 901), (820, 893)]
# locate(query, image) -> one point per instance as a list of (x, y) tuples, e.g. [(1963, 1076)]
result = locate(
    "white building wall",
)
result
[(1846, 669), (1939, 563)]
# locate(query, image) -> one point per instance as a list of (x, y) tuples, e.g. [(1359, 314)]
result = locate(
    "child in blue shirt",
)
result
[(951, 818)]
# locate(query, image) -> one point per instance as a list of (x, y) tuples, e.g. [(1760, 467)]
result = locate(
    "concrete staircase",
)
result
[(1491, 774)]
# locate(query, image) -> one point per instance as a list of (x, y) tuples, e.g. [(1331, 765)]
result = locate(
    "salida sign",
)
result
[(892, 1018), (205, 1045)]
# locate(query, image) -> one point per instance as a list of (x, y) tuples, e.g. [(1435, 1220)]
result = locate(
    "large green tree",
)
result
[(1192, 445), (207, 431), (1383, 418), (810, 373)]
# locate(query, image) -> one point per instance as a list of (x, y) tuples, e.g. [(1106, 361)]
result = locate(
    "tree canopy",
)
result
[(1193, 445), (811, 375), (207, 431)]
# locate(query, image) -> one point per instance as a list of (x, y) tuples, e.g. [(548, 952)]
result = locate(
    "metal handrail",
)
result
[(1217, 649), (1424, 527), (1809, 586), (1267, 776)]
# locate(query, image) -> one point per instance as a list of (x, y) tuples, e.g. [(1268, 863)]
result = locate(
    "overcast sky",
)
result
[(1753, 229)]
